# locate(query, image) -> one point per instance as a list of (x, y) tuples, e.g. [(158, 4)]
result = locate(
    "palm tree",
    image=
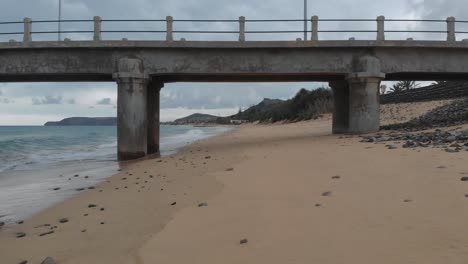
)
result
[(404, 86)]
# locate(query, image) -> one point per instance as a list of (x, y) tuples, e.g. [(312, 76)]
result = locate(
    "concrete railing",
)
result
[(380, 31)]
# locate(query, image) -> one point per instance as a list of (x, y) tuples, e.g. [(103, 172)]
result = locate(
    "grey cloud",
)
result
[(71, 101), (6, 101), (48, 99), (104, 101)]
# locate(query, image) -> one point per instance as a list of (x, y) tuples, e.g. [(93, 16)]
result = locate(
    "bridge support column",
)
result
[(132, 122), (364, 103), (341, 106), (154, 89)]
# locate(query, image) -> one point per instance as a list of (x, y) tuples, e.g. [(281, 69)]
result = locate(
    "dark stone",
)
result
[(208, 157), (174, 203), (56, 189), (91, 188), (76, 175), (79, 189), (20, 234), (408, 201), (102, 223), (46, 233), (102, 209), (86, 177), (24, 262), (92, 205), (20, 222), (63, 220), (83, 231), (329, 193), (336, 177), (244, 241), (230, 169), (318, 205), (2, 224), (123, 179), (202, 204)]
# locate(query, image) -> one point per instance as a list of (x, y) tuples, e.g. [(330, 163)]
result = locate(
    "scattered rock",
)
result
[(83, 231), (174, 203), (329, 193), (46, 233), (102, 223), (464, 179), (123, 179), (102, 209), (86, 177), (76, 175), (48, 260), (24, 262), (244, 241), (63, 220), (2, 224), (318, 205), (79, 189), (336, 177), (91, 188), (208, 157), (441, 167), (407, 201), (92, 205), (56, 189), (202, 204), (20, 222), (20, 234), (230, 169), (391, 147)]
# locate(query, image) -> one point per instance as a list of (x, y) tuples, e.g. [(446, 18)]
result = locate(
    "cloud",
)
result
[(1, 93), (71, 101), (47, 100), (6, 101), (105, 101)]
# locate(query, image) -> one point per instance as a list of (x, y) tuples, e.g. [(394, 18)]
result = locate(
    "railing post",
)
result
[(97, 28), (451, 29), (169, 28), (314, 35), (27, 29), (242, 29), (380, 28)]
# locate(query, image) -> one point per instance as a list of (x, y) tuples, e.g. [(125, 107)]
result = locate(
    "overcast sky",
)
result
[(36, 103)]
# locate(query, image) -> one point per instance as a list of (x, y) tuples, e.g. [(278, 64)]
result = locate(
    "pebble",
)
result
[(92, 205), (318, 205), (244, 241), (208, 157), (63, 220), (464, 179), (20, 222), (336, 177), (2, 224), (24, 262), (83, 231), (408, 201), (230, 169), (79, 189), (20, 234), (46, 233), (102, 209), (327, 194), (174, 203), (202, 204), (91, 188), (56, 189), (48, 260)]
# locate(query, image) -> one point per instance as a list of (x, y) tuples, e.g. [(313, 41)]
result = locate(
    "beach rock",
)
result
[(329, 193), (203, 204), (20, 222), (20, 234), (407, 201), (63, 220), (76, 175), (174, 203), (83, 231), (318, 205), (102, 223), (56, 189), (230, 169), (48, 260), (337, 177), (92, 205), (391, 147), (2, 224), (24, 262), (46, 233), (102, 209), (79, 189), (244, 241), (91, 188), (464, 179), (208, 157)]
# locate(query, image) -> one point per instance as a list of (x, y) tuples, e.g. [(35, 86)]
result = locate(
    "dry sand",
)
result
[(387, 206)]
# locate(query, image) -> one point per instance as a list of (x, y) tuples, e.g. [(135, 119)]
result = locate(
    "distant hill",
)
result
[(196, 119), (84, 121)]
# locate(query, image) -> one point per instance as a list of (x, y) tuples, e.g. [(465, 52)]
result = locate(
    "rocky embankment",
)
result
[(453, 114)]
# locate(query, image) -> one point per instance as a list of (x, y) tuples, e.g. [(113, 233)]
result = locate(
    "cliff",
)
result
[(84, 121)]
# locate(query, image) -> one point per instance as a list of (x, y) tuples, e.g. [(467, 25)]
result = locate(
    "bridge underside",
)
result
[(354, 70)]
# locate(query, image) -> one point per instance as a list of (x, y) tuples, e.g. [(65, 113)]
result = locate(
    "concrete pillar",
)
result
[(341, 106), (241, 29), (169, 28), (380, 28), (364, 99), (27, 37), (132, 122), (364, 104), (314, 35), (154, 89), (451, 29), (97, 28)]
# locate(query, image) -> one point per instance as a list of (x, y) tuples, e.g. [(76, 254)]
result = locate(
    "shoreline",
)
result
[(295, 192), (81, 174)]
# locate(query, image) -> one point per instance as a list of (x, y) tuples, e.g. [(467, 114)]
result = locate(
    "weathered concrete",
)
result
[(364, 105), (154, 89), (132, 127), (177, 61), (341, 106)]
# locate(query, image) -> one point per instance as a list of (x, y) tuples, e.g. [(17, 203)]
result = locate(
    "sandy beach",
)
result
[(294, 192)]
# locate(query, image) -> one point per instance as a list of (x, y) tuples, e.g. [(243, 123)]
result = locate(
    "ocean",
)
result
[(35, 160)]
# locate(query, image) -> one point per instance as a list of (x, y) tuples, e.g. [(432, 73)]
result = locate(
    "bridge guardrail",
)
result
[(97, 31)]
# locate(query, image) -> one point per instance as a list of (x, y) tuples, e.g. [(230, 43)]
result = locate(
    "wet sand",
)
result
[(296, 193)]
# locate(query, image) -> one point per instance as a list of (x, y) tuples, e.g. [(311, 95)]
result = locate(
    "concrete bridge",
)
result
[(353, 68)]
